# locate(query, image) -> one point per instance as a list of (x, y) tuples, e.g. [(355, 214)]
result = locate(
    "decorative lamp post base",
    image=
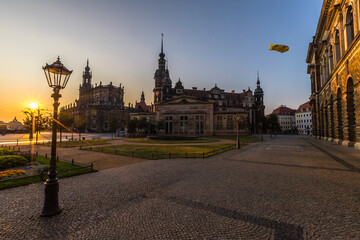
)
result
[(51, 203)]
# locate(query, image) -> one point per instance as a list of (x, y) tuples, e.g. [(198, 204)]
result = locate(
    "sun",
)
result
[(33, 105)]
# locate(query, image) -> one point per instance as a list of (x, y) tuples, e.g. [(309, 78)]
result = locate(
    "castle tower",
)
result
[(160, 74), (259, 101), (87, 75)]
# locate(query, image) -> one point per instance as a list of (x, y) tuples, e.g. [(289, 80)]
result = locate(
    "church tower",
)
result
[(160, 75), (259, 101), (85, 87)]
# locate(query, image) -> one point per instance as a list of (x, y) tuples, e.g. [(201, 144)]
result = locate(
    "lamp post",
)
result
[(33, 106), (237, 117), (261, 137), (57, 76)]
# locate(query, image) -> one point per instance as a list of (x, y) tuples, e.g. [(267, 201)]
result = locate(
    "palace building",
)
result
[(334, 69), (204, 112)]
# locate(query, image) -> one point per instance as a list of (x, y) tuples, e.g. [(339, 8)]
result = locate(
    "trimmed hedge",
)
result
[(6, 151), (12, 161)]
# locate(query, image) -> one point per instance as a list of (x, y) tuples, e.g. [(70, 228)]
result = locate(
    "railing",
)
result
[(155, 155)]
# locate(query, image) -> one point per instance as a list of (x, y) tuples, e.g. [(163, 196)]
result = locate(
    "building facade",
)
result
[(98, 105), (286, 118), (204, 112), (303, 119), (334, 58)]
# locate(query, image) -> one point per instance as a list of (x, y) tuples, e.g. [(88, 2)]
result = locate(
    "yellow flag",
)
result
[(279, 48)]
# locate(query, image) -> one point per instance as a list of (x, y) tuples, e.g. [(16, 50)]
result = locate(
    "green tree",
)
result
[(80, 125), (42, 120), (67, 119), (273, 123), (159, 125), (132, 125)]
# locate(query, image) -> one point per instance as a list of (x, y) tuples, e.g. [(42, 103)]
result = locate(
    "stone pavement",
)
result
[(288, 187)]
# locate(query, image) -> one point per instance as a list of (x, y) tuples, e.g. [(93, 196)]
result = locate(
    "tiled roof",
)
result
[(143, 106), (303, 107), (283, 110)]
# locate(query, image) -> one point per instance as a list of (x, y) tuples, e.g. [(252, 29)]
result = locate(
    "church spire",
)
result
[(142, 99), (162, 55), (258, 79)]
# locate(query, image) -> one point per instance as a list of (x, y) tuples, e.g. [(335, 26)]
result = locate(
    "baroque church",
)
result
[(204, 112), (98, 105)]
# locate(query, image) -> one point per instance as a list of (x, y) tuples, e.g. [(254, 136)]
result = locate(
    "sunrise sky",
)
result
[(206, 42)]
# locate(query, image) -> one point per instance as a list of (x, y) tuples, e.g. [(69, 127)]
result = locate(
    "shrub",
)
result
[(12, 161), (6, 151)]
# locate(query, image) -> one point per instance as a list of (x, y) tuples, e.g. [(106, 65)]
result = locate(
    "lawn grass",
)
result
[(65, 169), (83, 143), (165, 151), (151, 141)]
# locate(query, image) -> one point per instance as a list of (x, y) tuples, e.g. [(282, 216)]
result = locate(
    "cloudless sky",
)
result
[(206, 42)]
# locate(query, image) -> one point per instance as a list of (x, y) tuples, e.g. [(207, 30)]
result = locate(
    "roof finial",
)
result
[(258, 79), (87, 63), (162, 37), (58, 58)]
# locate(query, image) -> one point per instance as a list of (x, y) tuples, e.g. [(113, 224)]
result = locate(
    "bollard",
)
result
[(203, 154), (152, 156), (90, 148), (169, 155), (102, 149), (186, 154), (91, 166), (41, 174), (132, 153), (80, 147), (45, 155), (72, 161)]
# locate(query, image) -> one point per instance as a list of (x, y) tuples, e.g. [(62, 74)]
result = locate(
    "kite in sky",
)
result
[(279, 48)]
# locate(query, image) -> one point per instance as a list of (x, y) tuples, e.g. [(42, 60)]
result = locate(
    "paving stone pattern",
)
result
[(258, 192)]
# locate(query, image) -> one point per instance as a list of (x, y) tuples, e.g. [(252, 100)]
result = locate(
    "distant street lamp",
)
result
[(261, 137), (237, 117), (57, 76)]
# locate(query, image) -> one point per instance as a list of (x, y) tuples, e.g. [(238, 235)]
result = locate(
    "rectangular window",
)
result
[(199, 124), (230, 122), (219, 123), (184, 124), (168, 124)]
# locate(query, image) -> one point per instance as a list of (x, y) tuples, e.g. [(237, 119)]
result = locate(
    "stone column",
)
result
[(357, 114), (345, 120)]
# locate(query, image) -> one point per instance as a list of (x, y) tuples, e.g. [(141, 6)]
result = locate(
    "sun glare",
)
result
[(33, 105)]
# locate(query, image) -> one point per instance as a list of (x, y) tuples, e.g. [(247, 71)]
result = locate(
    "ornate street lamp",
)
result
[(57, 76)]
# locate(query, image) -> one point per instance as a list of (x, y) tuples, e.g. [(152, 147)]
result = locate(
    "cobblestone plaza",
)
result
[(287, 187)]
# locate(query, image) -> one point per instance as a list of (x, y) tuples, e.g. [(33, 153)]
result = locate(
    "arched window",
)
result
[(339, 114), (349, 26), (331, 59), (337, 46), (325, 69)]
